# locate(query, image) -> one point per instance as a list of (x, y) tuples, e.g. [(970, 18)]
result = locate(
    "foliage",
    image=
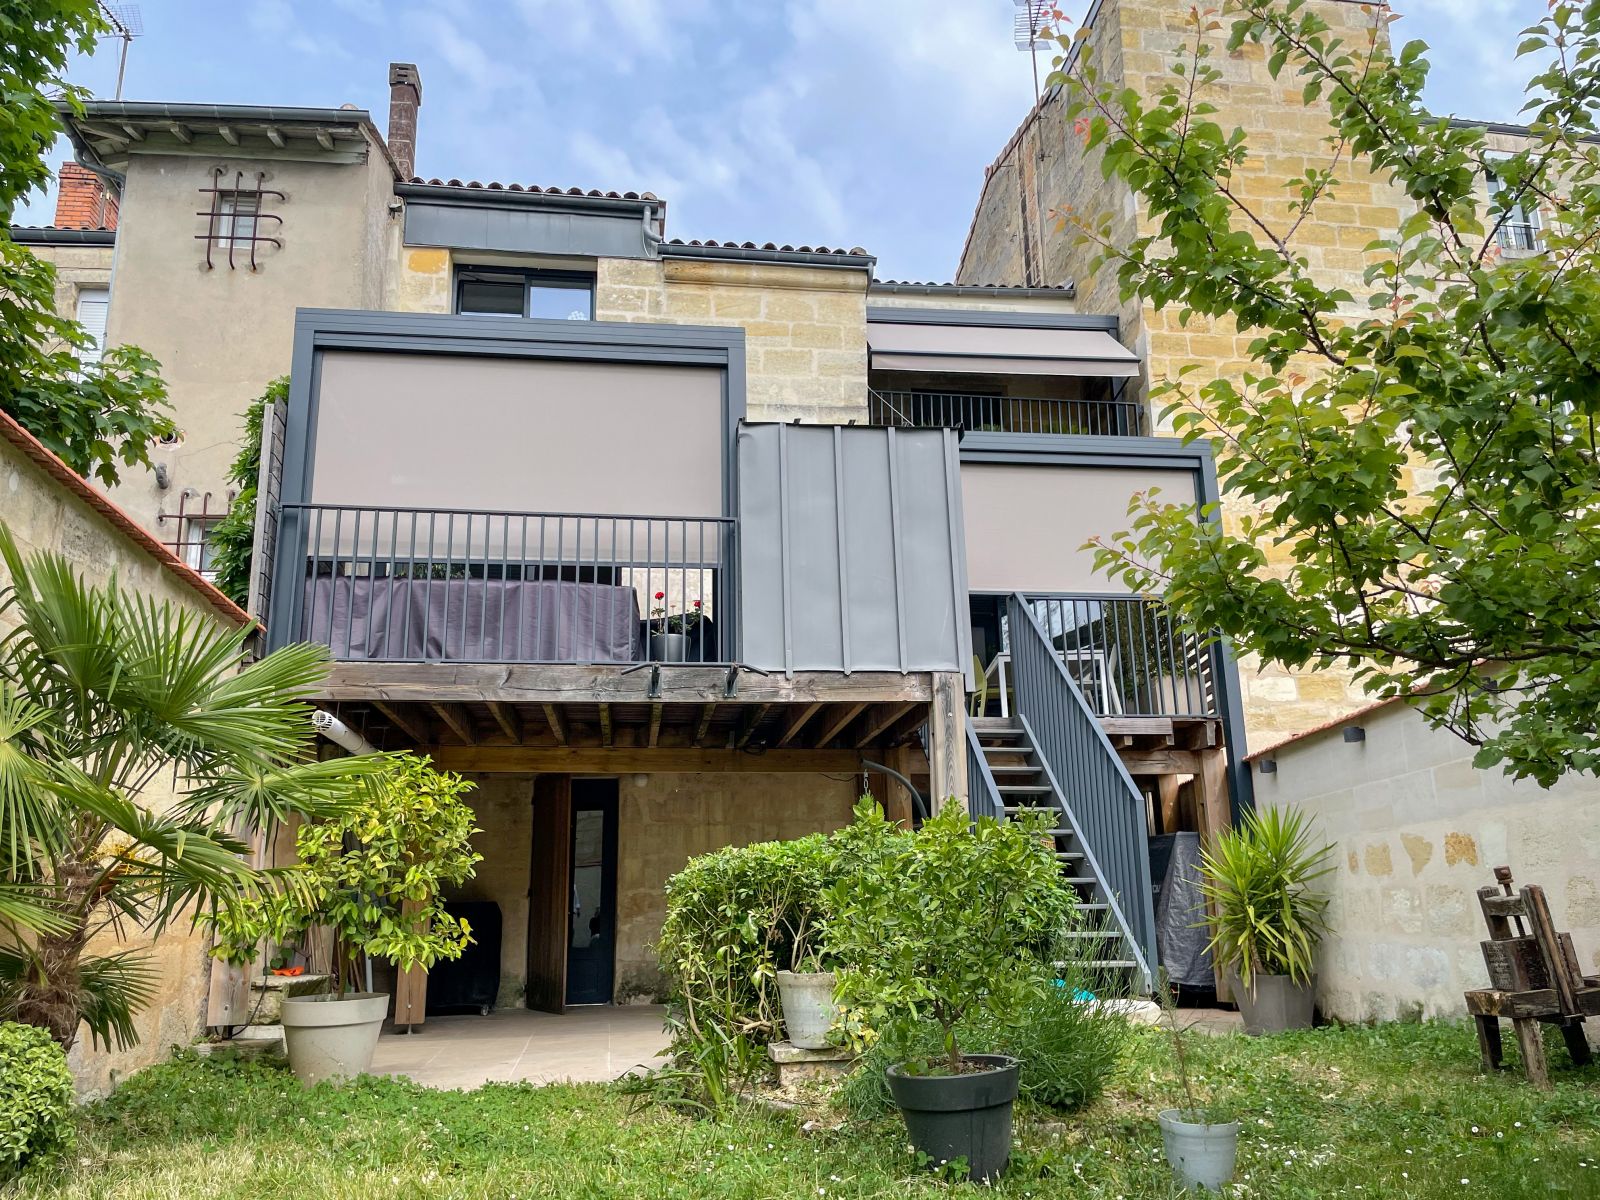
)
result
[(233, 538), (1259, 876), (35, 1098), (1394, 1111), (1069, 1048), (734, 918), (949, 923), (105, 697), (375, 872), (97, 418), (1417, 458)]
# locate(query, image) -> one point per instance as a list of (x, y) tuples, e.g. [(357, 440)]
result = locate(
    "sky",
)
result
[(821, 122)]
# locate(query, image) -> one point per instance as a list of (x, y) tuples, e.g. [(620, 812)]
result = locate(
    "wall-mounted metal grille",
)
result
[(1110, 417), (234, 219), (192, 524)]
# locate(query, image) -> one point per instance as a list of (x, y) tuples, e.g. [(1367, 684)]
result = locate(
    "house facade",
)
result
[(1018, 236), (668, 545)]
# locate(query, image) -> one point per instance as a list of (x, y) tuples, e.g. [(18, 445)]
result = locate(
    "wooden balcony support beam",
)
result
[(457, 719), (408, 721), (507, 720)]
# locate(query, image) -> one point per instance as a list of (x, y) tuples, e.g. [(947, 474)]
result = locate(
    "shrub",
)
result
[(949, 926), (35, 1098)]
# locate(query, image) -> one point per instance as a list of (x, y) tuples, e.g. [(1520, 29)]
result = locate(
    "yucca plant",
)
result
[(106, 699), (1268, 916)]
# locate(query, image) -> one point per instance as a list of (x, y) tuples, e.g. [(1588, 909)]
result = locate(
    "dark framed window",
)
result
[(554, 295)]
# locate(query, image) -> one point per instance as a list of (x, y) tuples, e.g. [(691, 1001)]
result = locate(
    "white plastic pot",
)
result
[(1200, 1154), (332, 1037), (808, 1007)]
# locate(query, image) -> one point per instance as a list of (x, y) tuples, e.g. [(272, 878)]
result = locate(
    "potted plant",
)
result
[(951, 922), (1267, 918), (669, 632), (806, 990), (373, 874), (1201, 1147)]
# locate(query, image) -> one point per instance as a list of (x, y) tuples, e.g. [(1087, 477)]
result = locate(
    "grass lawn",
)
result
[(1395, 1111)]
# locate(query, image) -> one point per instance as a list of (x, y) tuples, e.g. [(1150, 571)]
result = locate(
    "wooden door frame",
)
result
[(549, 892)]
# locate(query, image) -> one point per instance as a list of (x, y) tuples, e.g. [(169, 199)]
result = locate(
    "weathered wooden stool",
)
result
[(1534, 977)]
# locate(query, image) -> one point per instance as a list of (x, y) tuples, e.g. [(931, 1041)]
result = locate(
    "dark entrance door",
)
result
[(592, 907)]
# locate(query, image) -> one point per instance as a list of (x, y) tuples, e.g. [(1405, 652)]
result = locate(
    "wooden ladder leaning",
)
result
[(1534, 977)]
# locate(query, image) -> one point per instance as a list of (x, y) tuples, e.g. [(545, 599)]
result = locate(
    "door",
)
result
[(591, 936), (549, 892)]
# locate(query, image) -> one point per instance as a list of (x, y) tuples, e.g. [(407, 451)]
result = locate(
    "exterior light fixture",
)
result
[(1267, 766), (1354, 733)]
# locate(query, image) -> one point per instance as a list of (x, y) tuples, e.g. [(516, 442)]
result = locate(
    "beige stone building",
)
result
[(1017, 234)]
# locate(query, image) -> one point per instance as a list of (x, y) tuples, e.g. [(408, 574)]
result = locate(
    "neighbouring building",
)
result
[(669, 545), (1044, 170)]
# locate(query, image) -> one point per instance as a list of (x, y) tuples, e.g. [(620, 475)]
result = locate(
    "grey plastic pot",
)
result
[(1274, 1003), (332, 1037), (808, 1007), (960, 1116), (1200, 1155)]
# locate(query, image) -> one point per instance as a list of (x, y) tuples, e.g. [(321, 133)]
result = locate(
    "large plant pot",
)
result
[(961, 1116), (669, 647), (808, 1007), (1274, 1003), (1200, 1155), (332, 1037)]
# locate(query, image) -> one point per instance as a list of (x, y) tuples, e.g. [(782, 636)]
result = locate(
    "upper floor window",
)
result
[(93, 303), (238, 226), (556, 295), (1519, 226)]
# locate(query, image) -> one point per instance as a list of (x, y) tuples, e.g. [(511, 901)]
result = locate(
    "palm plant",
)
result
[(105, 695), (1259, 876)]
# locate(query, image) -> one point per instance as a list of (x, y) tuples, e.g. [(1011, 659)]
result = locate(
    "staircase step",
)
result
[(1032, 789), (1024, 769), (1012, 810), (1068, 855)]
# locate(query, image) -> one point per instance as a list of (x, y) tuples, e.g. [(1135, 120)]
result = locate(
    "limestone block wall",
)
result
[(1416, 830), (77, 267), (46, 514), (667, 819), (503, 805)]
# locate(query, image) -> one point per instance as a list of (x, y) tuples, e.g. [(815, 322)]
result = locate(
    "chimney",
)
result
[(82, 200), (405, 97)]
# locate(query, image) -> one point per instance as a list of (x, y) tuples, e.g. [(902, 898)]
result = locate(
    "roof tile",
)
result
[(496, 186)]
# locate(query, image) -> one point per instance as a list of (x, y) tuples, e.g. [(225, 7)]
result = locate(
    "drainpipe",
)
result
[(340, 734)]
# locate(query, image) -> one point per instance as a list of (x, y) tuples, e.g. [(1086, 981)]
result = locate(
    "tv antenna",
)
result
[(127, 23), (1033, 18)]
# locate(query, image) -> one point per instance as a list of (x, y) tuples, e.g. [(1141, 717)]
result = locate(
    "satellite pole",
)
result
[(126, 23), (1032, 17)]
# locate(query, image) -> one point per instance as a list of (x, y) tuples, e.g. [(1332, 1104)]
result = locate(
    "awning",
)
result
[(999, 350)]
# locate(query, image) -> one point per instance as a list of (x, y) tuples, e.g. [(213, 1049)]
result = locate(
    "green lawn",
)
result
[(1390, 1112)]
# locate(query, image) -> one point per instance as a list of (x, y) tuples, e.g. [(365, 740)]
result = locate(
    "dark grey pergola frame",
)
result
[(320, 329), (1075, 450)]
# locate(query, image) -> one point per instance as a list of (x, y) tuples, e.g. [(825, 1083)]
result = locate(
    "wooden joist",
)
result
[(605, 726), (797, 723), (878, 723), (457, 719), (408, 721), (507, 720), (558, 723), (707, 713), (655, 724), (748, 724), (841, 716), (628, 760)]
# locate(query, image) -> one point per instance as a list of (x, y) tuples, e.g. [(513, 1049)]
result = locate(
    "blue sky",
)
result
[(839, 122)]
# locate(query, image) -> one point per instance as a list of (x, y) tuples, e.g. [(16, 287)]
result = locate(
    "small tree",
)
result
[(375, 874), (104, 694), (950, 922), (1424, 452), (97, 418)]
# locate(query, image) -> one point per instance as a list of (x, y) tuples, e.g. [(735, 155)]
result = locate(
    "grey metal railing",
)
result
[(1129, 656), (1107, 809), (421, 585), (983, 794), (1005, 414)]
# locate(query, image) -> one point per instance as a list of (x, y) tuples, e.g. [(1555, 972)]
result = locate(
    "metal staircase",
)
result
[(1017, 779)]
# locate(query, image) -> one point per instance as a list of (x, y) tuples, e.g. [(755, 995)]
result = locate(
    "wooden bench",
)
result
[(1534, 978)]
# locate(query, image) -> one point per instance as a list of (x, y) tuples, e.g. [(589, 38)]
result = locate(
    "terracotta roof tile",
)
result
[(495, 186), (998, 287), (712, 243)]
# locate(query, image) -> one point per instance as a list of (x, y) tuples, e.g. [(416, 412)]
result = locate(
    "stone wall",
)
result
[(1416, 830), (45, 512), (77, 267), (663, 820), (1133, 43)]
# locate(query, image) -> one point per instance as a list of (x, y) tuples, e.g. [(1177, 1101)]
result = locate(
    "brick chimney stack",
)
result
[(82, 200), (405, 97)]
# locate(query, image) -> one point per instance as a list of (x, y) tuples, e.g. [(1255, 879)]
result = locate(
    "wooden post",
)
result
[(947, 741), (1167, 793), (897, 805), (1214, 816), (410, 987)]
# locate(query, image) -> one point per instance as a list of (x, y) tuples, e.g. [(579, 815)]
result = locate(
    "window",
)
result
[(237, 217), (197, 548), (93, 303), (1519, 226), (238, 226), (552, 295)]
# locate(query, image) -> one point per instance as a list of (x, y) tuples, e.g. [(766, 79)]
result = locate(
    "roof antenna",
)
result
[(127, 23), (1032, 18)]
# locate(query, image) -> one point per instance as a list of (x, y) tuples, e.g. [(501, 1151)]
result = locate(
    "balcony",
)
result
[(412, 585), (989, 413)]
